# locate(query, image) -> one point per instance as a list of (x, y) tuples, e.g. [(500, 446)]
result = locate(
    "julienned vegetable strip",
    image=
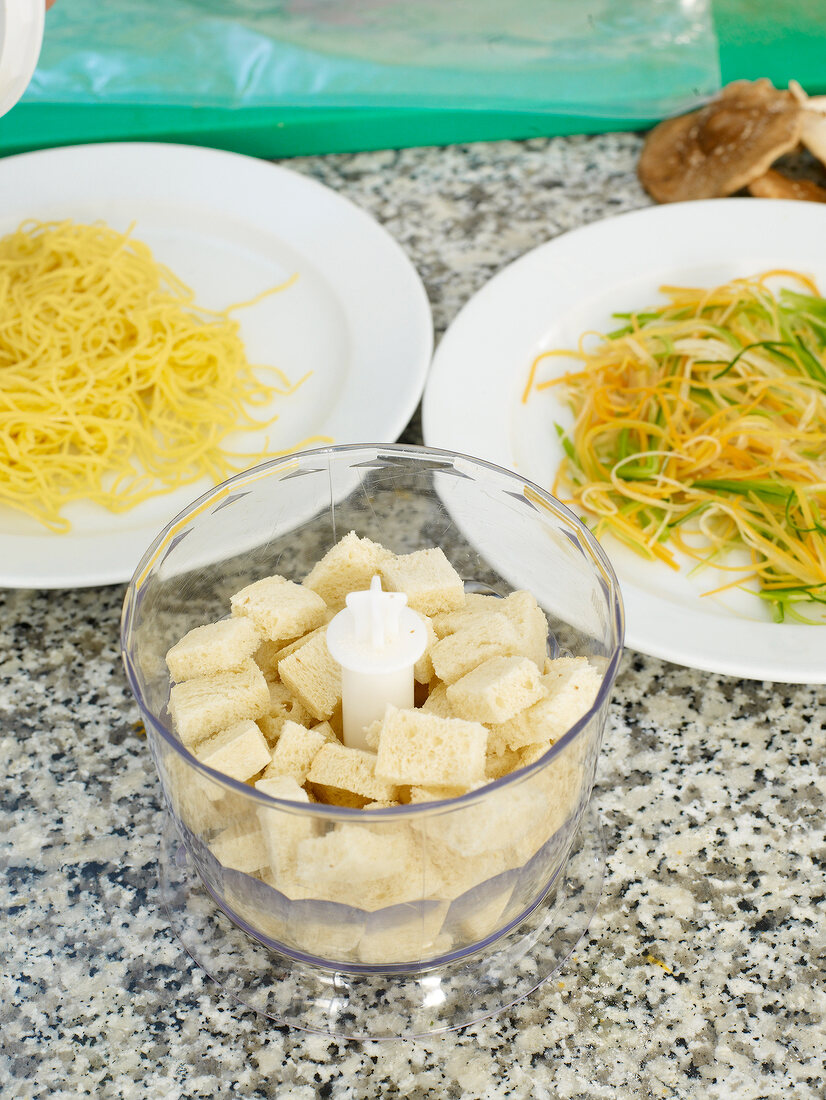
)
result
[(700, 426)]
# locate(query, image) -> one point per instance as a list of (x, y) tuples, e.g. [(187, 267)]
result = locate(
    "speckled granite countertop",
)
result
[(702, 972)]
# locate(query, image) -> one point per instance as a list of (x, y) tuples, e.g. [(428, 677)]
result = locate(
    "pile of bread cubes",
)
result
[(257, 696)]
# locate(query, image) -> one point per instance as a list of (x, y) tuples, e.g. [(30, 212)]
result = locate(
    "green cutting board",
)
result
[(770, 38)]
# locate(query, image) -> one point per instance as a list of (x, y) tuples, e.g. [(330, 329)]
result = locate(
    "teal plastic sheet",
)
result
[(612, 59)]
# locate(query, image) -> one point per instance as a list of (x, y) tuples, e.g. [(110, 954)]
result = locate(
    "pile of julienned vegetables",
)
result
[(700, 426)]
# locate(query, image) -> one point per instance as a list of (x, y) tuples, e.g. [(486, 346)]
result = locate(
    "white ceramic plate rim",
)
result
[(361, 294), (546, 299)]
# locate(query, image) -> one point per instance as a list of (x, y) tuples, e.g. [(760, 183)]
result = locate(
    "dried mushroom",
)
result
[(724, 146), (774, 185), (813, 130)]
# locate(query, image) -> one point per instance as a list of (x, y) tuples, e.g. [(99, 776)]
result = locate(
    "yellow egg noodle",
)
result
[(115, 386)]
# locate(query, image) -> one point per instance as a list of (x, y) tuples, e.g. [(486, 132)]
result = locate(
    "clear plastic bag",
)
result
[(611, 59)]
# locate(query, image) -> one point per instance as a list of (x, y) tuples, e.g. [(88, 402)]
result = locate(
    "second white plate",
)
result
[(574, 283), (231, 226)]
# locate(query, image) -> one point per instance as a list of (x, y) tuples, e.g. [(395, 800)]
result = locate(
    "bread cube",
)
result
[(531, 753), (348, 567), (332, 938), (279, 608), (489, 635), (571, 686), (239, 751), (216, 647), (281, 785), (352, 854), (294, 752), (371, 735), (485, 916), (337, 796), (411, 934), (488, 825), (425, 750), (283, 706), (241, 847), (282, 831), (436, 703), (573, 677), (297, 643), (353, 770), (266, 654), (423, 669), (501, 763), (195, 799), (436, 794), (450, 874), (496, 690), (314, 677), (428, 579), (207, 704), (327, 732), (271, 923), (531, 625), (448, 622)]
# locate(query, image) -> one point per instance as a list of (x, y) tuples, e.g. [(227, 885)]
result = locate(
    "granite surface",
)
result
[(701, 974)]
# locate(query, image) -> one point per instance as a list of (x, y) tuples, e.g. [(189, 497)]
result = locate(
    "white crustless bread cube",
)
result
[(450, 874), (423, 749), (216, 647), (352, 854), (484, 917), (520, 607), (428, 579), (531, 753), (353, 770), (489, 825), (448, 622), (282, 786), (195, 799), (334, 938), (489, 635), (436, 703), (241, 846), (501, 763), (270, 923), (571, 686), (423, 668), (575, 675), (313, 677), (436, 794), (203, 706), (282, 831), (496, 690), (239, 751), (294, 752), (280, 609), (266, 654), (297, 643), (327, 732), (283, 707), (348, 567), (412, 935), (371, 735), (531, 625)]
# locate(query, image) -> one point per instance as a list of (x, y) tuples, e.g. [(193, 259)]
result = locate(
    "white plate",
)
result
[(231, 226), (574, 283)]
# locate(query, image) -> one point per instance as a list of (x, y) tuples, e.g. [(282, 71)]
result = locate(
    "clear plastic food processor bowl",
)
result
[(419, 888)]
